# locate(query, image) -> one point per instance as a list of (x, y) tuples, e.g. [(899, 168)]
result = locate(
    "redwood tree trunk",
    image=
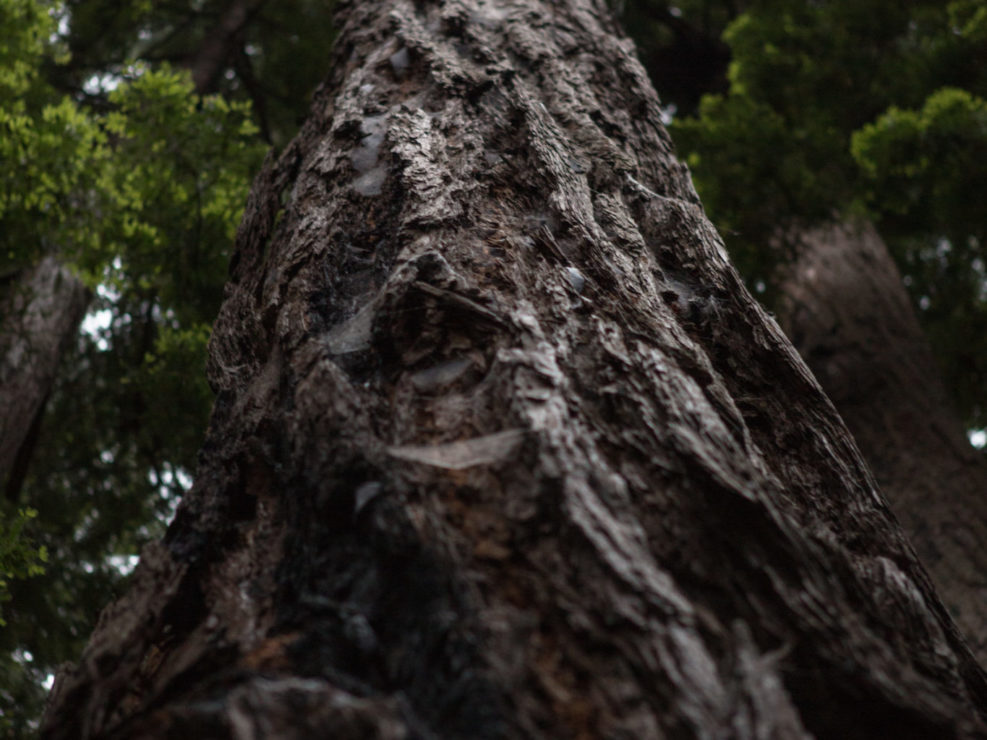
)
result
[(850, 318), (503, 448), (39, 317)]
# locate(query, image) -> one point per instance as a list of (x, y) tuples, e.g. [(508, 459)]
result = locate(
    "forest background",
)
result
[(129, 133)]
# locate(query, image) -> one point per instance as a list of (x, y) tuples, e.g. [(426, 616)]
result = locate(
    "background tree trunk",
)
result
[(39, 317), (848, 314), (220, 44), (502, 447), (42, 308)]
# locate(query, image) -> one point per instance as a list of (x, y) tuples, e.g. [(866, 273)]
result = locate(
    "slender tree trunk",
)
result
[(503, 448), (219, 46), (849, 316), (39, 317)]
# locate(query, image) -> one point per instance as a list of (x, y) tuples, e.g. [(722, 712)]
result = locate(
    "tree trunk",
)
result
[(42, 311), (220, 43), (38, 320), (850, 318), (503, 448)]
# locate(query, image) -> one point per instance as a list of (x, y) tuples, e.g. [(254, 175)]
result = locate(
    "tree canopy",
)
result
[(130, 132), (847, 108), (138, 183)]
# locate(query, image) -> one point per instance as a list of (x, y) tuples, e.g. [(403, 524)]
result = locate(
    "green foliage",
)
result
[(180, 172), (849, 107), (49, 149), (278, 57), (22, 694), (24, 29), (18, 559), (168, 189), (923, 171), (968, 18), (140, 186), (803, 76), (923, 164), (750, 167)]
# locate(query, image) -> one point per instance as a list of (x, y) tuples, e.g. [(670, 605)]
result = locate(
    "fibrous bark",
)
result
[(39, 317), (848, 314), (503, 448)]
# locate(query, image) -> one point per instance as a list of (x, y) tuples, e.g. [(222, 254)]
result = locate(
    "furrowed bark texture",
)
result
[(851, 320), (38, 319), (502, 448)]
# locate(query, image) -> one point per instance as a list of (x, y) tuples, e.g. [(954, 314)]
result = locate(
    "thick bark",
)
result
[(39, 317), (502, 447), (849, 316)]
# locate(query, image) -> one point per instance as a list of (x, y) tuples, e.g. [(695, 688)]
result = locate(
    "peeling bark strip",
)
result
[(502, 448), (38, 319)]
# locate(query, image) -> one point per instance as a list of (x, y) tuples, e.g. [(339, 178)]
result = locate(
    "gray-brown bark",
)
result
[(850, 318), (39, 316), (503, 448)]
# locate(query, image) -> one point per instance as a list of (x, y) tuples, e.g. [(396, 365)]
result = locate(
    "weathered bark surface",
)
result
[(502, 447), (850, 318), (39, 317)]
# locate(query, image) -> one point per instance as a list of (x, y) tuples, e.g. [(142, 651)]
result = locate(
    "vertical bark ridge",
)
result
[(501, 445)]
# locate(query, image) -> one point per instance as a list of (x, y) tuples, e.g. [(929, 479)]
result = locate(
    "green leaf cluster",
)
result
[(18, 558), (844, 108), (139, 185), (280, 54), (51, 152), (905, 153)]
